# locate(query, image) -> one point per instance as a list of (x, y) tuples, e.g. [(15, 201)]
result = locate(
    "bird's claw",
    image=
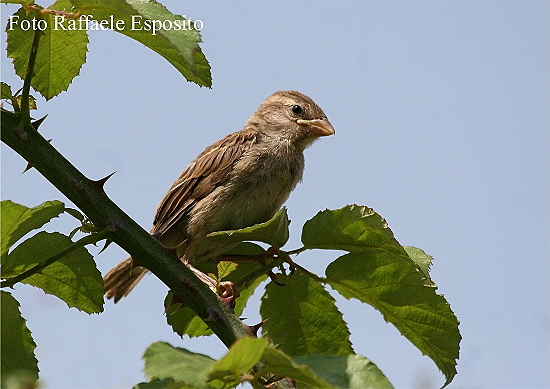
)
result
[(228, 293)]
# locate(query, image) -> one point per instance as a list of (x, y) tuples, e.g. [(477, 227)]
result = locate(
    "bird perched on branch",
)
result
[(241, 180)]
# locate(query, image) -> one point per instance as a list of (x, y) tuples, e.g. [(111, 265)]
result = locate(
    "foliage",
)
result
[(73, 277), (18, 361), (63, 46), (171, 367), (316, 353)]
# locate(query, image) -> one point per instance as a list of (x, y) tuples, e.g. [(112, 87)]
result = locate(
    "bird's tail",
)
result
[(122, 279)]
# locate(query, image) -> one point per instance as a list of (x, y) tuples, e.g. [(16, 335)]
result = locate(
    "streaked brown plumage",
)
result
[(241, 180)]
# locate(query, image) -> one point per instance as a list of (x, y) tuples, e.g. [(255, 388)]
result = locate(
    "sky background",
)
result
[(441, 111)]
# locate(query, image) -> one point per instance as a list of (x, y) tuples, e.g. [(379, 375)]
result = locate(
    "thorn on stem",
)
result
[(100, 183), (214, 315), (107, 243), (38, 122), (172, 249), (30, 165), (253, 330)]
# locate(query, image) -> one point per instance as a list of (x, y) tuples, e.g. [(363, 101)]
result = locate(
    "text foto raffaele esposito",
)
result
[(87, 22)]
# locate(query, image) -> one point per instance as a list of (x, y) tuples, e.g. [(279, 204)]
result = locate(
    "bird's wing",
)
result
[(200, 178)]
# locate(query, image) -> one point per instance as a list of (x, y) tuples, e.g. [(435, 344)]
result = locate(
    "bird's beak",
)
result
[(320, 127)]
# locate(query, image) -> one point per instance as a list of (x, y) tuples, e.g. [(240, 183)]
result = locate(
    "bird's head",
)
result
[(293, 116)]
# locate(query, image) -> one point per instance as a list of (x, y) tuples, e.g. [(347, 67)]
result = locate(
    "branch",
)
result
[(89, 196)]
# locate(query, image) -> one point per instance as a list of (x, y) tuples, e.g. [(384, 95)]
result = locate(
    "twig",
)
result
[(25, 102)]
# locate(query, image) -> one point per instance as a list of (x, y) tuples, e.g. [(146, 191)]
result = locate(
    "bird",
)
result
[(238, 181)]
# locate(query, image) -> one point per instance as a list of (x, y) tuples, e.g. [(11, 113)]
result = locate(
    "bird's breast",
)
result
[(261, 182), (254, 191)]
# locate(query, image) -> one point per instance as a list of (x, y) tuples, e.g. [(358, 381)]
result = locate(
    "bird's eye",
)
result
[(297, 109)]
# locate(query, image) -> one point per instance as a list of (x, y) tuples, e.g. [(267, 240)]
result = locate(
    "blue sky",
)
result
[(441, 111)]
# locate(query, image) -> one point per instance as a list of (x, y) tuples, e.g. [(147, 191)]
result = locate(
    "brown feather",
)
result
[(202, 176)]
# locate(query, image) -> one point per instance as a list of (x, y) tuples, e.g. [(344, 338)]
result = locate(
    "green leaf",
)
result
[(170, 367), (184, 321), (225, 268), (167, 383), (15, 101), (61, 53), (246, 292), (378, 271), (273, 232), (165, 361), (310, 311), (423, 260), (351, 228), (74, 278), (32, 102), (18, 220), (179, 47), (75, 213), (6, 91), (346, 371), (246, 248), (240, 359), (275, 362), (18, 360), (397, 289)]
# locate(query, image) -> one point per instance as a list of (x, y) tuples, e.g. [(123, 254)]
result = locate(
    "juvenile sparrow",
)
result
[(241, 180)]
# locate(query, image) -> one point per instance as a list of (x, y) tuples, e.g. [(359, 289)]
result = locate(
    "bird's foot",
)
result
[(228, 293)]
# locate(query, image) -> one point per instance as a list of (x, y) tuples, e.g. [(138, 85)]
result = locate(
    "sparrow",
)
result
[(241, 180)]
